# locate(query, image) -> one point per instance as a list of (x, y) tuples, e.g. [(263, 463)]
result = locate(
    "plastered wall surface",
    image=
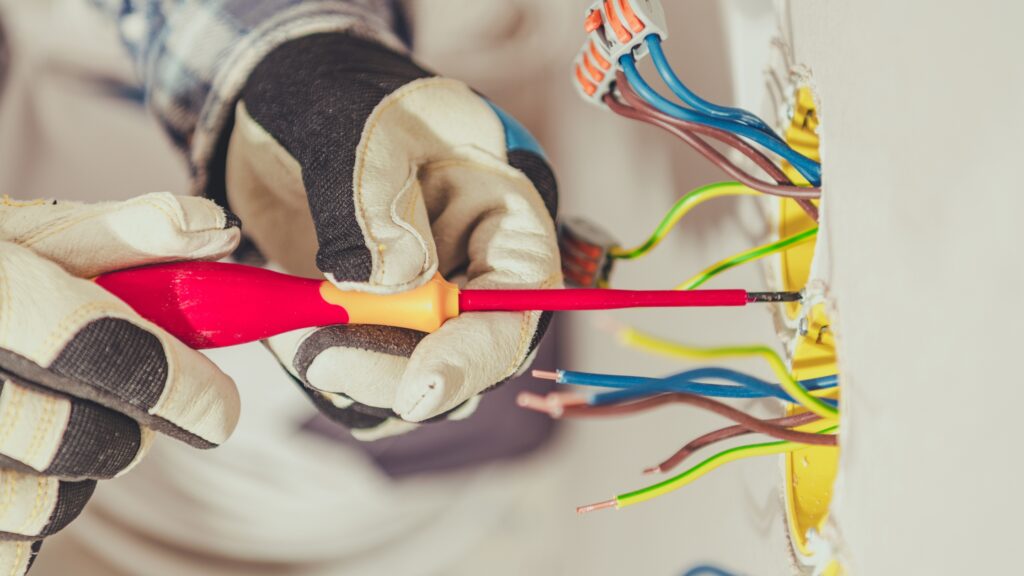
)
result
[(920, 107)]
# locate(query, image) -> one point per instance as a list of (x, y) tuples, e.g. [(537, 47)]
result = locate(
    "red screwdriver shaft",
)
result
[(594, 299)]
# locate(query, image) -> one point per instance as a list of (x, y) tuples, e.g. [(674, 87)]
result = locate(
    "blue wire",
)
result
[(688, 96), (707, 570), (810, 169), (744, 385), (747, 387)]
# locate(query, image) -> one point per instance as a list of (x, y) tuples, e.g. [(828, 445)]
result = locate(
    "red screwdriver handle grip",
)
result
[(213, 304)]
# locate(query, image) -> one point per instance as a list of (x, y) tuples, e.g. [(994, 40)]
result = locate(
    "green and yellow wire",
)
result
[(683, 206), (688, 476), (690, 201), (744, 257), (635, 338)]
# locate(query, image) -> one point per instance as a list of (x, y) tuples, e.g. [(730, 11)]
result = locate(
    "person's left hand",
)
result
[(350, 151)]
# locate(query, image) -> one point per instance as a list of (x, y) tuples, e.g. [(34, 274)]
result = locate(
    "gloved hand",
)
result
[(348, 151), (84, 380)]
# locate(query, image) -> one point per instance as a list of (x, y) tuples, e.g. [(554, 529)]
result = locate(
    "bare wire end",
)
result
[(553, 404), (545, 375), (607, 324), (532, 401), (652, 469), (581, 510)]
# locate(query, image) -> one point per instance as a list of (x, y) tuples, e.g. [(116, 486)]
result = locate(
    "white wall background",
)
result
[(920, 105)]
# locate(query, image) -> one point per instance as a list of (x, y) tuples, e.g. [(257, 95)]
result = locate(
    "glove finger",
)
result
[(365, 423), (350, 373), (17, 557), (33, 506), (364, 363), (89, 239), (56, 435), (495, 219), (70, 335), (298, 350)]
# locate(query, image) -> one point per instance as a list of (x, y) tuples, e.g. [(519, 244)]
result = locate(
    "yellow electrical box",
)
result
[(809, 472)]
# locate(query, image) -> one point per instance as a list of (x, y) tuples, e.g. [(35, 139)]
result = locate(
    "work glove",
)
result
[(348, 159), (84, 381)]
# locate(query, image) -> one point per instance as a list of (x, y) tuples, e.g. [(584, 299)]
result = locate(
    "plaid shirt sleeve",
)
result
[(194, 56)]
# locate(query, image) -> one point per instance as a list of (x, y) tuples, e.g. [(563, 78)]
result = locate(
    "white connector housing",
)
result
[(614, 28)]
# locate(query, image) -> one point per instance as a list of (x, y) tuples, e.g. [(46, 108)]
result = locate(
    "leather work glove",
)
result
[(84, 381), (348, 159)]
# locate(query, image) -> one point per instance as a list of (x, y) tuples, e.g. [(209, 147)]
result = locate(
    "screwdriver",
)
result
[(215, 304)]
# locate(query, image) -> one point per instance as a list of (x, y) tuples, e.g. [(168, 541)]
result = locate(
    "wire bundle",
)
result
[(698, 122), (690, 201), (730, 126), (698, 388)]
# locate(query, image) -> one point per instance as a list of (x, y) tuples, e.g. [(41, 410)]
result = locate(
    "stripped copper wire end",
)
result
[(653, 470), (581, 510), (545, 375), (553, 404), (608, 324)]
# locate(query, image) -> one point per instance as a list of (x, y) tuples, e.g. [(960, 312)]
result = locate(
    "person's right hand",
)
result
[(83, 379)]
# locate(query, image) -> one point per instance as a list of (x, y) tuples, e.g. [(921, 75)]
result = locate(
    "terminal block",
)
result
[(585, 249), (614, 28)]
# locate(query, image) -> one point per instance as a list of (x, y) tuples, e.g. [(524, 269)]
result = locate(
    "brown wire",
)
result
[(637, 102), (749, 422), (637, 109), (797, 193), (725, 434)]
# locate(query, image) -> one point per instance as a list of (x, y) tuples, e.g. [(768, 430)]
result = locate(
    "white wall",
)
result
[(921, 117)]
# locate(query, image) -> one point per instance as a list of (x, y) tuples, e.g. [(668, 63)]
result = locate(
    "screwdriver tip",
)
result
[(774, 296)]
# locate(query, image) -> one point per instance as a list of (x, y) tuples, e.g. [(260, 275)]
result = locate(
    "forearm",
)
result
[(194, 57)]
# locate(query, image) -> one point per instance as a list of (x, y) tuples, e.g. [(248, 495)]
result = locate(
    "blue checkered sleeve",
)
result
[(194, 56)]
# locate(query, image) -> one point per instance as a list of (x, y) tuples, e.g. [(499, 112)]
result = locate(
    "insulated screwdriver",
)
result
[(215, 304)]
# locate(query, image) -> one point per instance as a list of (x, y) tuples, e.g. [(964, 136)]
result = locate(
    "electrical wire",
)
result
[(557, 408), (681, 208), (707, 570), (723, 434), (688, 476), (637, 339), (695, 197), (634, 100), (748, 255), (668, 75), (808, 168), (741, 385), (637, 108)]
